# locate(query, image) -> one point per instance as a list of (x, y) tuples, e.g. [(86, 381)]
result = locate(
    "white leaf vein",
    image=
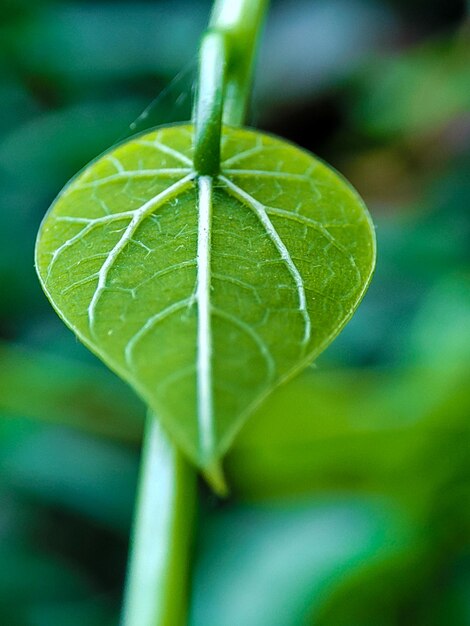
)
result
[(260, 211)]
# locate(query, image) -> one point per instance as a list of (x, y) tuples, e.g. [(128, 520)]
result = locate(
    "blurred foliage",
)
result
[(414, 92), (351, 485)]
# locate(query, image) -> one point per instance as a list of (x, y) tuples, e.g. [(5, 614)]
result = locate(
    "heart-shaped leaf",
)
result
[(206, 293)]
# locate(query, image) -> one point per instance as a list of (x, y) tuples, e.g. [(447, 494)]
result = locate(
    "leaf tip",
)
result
[(214, 475)]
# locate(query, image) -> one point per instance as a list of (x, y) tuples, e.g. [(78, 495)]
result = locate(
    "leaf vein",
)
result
[(260, 211), (139, 215), (311, 223), (128, 175), (251, 332), (149, 325)]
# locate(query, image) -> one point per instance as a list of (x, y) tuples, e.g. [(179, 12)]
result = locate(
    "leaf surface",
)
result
[(206, 293)]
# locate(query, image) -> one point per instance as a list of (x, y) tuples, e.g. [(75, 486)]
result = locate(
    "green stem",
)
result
[(226, 61), (241, 22), (212, 62), (157, 585)]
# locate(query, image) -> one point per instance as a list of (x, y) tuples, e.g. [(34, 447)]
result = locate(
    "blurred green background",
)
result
[(351, 486)]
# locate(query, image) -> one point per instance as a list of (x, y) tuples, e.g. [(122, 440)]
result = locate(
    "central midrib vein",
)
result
[(205, 403)]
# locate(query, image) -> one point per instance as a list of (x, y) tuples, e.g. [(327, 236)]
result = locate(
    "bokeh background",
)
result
[(351, 487)]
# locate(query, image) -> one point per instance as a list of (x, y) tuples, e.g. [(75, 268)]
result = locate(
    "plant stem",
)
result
[(226, 61), (212, 63), (157, 584), (241, 21)]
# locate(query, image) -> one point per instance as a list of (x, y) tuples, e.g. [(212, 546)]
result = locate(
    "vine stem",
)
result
[(241, 21), (157, 585), (226, 60), (158, 576)]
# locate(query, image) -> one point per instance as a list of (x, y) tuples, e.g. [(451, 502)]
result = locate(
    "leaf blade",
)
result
[(203, 293)]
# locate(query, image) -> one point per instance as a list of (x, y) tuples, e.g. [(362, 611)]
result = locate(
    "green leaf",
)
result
[(205, 294)]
